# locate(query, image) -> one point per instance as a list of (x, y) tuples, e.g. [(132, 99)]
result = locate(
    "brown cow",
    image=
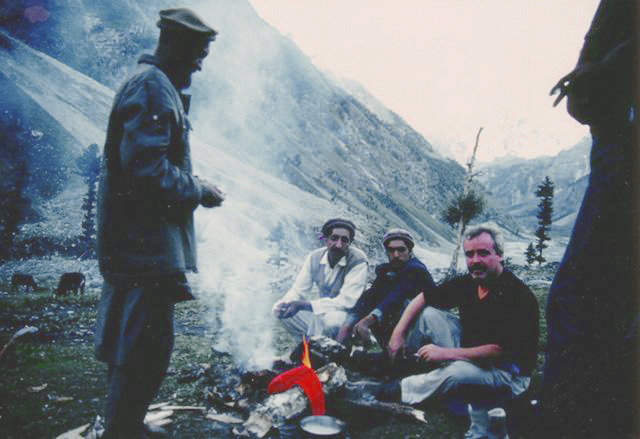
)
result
[(70, 283), (23, 280)]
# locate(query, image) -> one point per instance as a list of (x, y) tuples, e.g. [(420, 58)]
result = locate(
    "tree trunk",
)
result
[(462, 225)]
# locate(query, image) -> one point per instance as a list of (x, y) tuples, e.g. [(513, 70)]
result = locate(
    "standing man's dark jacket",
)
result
[(147, 193), (146, 239), (391, 290)]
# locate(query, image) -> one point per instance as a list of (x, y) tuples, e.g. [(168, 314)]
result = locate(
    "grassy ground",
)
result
[(50, 382)]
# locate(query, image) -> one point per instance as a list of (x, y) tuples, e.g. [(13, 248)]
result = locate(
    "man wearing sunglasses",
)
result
[(339, 271), (397, 282)]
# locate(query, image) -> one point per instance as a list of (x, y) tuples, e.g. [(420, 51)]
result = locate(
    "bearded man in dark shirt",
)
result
[(485, 356)]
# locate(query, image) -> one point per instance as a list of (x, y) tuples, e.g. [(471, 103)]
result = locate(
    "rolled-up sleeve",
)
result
[(352, 288), (301, 288)]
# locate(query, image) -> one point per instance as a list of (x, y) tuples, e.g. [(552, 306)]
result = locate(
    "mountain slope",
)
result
[(260, 99), (315, 154)]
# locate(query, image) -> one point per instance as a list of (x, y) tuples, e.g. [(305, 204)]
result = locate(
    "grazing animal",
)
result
[(23, 280), (70, 283)]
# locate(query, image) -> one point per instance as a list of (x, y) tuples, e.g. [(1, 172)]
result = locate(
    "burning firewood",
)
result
[(322, 350), (281, 407)]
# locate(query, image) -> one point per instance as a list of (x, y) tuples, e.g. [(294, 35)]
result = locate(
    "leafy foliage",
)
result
[(463, 209)]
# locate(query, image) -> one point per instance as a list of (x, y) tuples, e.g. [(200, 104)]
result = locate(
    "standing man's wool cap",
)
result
[(398, 234), (340, 223), (186, 20)]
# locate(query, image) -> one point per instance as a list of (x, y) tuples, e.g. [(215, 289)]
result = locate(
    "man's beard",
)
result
[(337, 253)]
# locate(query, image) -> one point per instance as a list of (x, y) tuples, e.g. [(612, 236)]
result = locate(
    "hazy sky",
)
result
[(449, 67)]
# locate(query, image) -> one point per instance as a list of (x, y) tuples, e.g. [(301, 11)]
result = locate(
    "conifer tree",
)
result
[(89, 166), (545, 210), (15, 172), (13, 205), (530, 254)]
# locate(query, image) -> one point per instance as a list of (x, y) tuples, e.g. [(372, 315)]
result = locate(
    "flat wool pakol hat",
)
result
[(185, 20), (340, 223), (398, 234)]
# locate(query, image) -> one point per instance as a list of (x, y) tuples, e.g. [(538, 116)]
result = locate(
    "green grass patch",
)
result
[(51, 383)]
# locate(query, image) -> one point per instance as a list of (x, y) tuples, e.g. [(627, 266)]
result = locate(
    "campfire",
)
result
[(281, 402), (273, 401), (302, 376)]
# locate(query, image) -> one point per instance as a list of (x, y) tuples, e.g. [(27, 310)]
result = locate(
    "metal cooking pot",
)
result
[(322, 427)]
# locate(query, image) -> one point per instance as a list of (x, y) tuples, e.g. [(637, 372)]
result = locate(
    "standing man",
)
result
[(590, 383), (339, 271), (146, 239), (484, 357), (397, 282)]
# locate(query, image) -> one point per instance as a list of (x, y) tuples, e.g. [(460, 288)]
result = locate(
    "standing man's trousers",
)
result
[(134, 336)]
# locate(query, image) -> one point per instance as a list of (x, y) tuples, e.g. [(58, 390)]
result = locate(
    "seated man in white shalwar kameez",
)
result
[(339, 271)]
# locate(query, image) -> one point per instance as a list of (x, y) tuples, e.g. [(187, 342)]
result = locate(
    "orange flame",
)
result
[(305, 352)]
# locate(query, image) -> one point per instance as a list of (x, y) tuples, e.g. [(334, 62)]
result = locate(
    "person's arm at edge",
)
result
[(396, 341), (301, 285), (431, 352)]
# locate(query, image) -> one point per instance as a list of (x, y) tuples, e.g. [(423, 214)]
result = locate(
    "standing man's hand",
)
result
[(362, 329), (212, 196), (290, 309)]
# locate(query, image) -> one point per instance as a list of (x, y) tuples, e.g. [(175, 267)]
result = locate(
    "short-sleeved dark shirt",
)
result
[(507, 316)]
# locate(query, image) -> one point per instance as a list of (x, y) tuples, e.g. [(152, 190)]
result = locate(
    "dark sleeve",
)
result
[(411, 283), (367, 301), (520, 340), (150, 125), (448, 294), (611, 30)]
